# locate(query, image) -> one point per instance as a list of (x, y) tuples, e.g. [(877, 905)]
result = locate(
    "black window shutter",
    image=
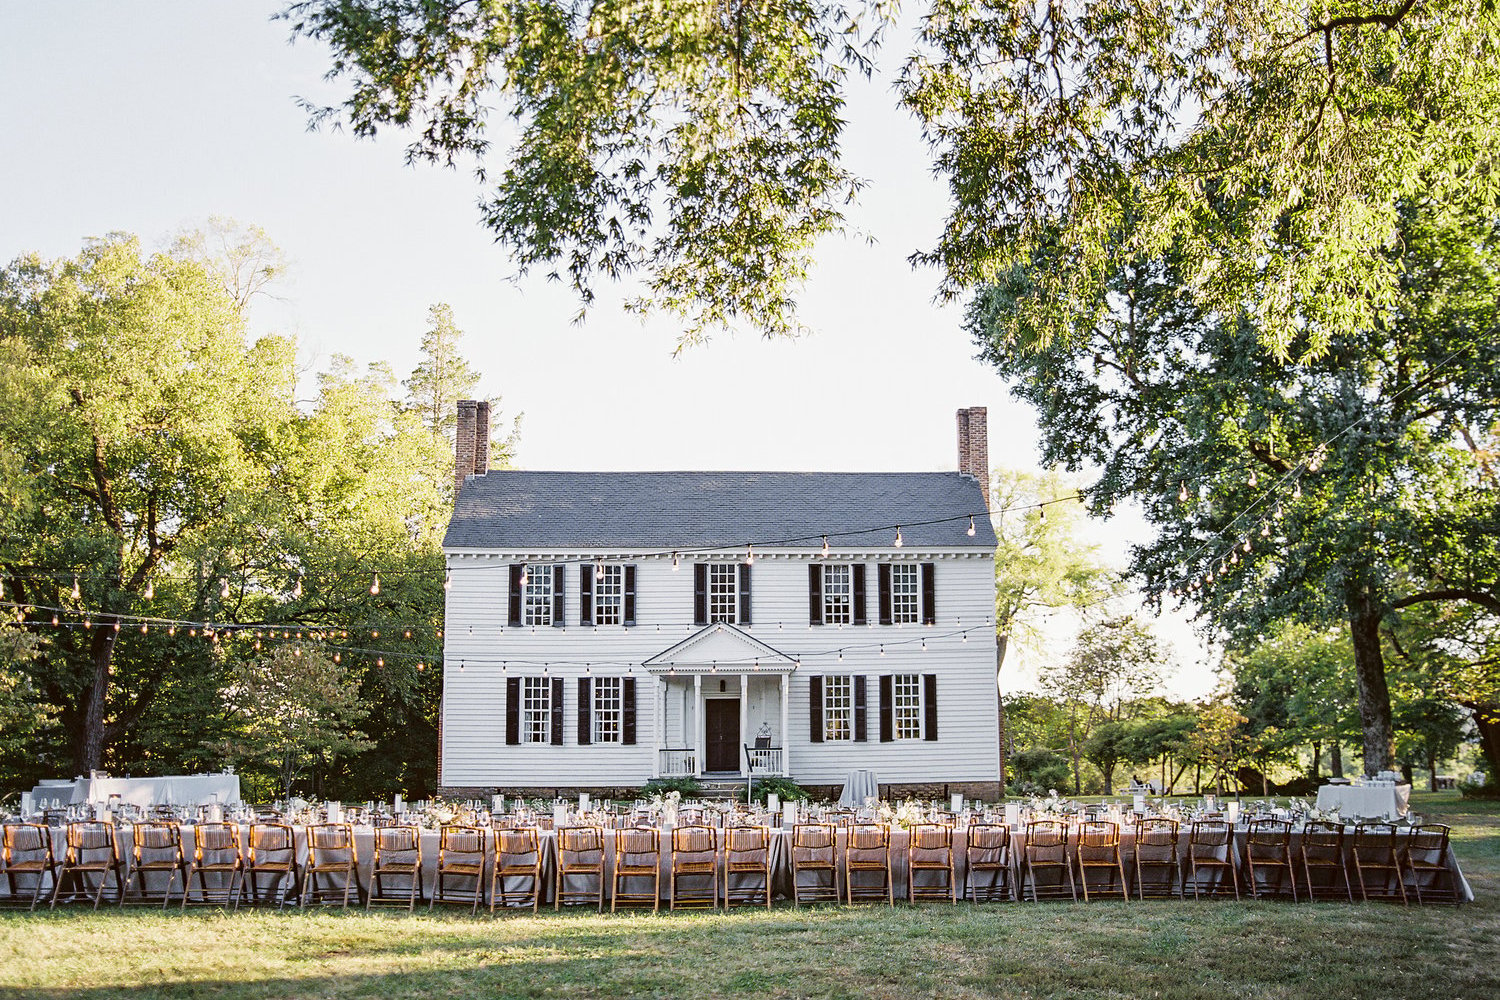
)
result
[(585, 595), (929, 697), (559, 595), (929, 594), (585, 713), (557, 711), (744, 593), (859, 595), (627, 712), (883, 571), (700, 593), (887, 711), (860, 714), (514, 618), (815, 709), (815, 594), (512, 711), (629, 618)]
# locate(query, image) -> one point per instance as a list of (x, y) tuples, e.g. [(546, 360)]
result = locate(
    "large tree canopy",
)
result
[(1347, 484), (697, 143)]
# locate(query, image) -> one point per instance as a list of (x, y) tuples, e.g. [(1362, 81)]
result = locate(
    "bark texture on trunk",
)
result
[(88, 744), (1487, 722), (1374, 695), (1336, 759)]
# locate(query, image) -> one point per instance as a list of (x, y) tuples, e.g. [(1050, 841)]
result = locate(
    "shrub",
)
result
[(785, 788), (683, 786), (1489, 789), (1041, 769)]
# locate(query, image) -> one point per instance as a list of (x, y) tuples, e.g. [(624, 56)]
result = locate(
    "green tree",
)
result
[(1110, 745), (443, 377), (699, 143), (1113, 661), (1324, 486), (1040, 566)]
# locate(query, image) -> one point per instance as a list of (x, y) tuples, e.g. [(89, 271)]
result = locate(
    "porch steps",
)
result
[(722, 789)]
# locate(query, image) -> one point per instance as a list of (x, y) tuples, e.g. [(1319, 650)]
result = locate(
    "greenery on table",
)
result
[(785, 789), (685, 785)]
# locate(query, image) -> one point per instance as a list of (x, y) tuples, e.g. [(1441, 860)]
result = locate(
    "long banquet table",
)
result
[(780, 858)]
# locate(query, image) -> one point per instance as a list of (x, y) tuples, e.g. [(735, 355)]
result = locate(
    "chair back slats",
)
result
[(694, 844), (397, 839), (517, 846), (635, 847)]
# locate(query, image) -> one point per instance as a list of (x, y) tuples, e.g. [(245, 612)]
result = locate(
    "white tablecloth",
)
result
[(175, 789), (1362, 801)]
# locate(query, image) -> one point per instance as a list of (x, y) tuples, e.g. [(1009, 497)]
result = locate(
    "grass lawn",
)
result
[(1160, 948)]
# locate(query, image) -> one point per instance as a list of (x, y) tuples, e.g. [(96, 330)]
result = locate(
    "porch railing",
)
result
[(766, 760), (677, 762)]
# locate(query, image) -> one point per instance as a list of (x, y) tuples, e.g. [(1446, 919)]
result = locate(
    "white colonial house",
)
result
[(604, 628)]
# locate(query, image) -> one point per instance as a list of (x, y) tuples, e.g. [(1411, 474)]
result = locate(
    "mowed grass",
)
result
[(1161, 949)]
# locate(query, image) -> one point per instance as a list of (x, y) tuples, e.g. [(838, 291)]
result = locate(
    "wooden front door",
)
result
[(721, 718)]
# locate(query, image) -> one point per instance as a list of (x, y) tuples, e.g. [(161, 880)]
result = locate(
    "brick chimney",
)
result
[(974, 447), (482, 437), (464, 441)]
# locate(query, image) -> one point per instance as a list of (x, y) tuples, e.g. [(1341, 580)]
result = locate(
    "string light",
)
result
[(674, 564), (374, 583), (825, 546), (297, 590), (447, 580), (1182, 492), (1042, 510), (749, 554), (1297, 490), (76, 593), (1265, 529), (224, 589), (1253, 482), (971, 526), (525, 574), (898, 536), (150, 591)]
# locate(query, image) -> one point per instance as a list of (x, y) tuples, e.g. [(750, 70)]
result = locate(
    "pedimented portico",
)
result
[(714, 692)]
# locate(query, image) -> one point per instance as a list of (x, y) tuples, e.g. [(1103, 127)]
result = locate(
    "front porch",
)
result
[(717, 695)]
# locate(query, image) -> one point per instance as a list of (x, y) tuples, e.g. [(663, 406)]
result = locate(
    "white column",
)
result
[(658, 721), (700, 736), (786, 734), (744, 713)]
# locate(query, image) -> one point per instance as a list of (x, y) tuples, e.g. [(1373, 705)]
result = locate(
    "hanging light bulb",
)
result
[(380, 661), (841, 656), (1254, 482), (143, 628), (899, 543), (525, 575), (171, 630), (1182, 492), (1247, 545), (1297, 490), (1265, 530), (224, 589), (1042, 511), (76, 594), (749, 554), (420, 665), (297, 590), (336, 656), (1234, 557), (374, 583), (971, 525), (924, 644), (54, 619), (674, 562), (882, 649), (447, 579), (150, 591), (825, 546)]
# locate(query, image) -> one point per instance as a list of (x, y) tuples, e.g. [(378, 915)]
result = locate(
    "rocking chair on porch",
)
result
[(760, 761)]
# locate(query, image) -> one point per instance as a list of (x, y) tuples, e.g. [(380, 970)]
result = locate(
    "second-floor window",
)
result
[(838, 595), (537, 596), (906, 604), (723, 592), (609, 595)]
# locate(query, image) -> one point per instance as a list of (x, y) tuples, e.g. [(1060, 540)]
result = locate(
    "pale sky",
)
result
[(148, 117)]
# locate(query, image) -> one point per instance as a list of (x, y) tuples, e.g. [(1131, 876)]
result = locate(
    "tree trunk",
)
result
[(1374, 695), (1336, 759), (88, 744), (1431, 771), (1198, 780), (1317, 759), (1077, 752), (1487, 722)]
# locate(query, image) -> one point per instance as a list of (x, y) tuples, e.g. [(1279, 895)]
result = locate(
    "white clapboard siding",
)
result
[(480, 652)]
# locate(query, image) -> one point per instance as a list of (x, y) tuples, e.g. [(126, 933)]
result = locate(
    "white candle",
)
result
[(1139, 802), (583, 802), (956, 802), (398, 804), (789, 814), (1233, 812), (1012, 814), (773, 802)]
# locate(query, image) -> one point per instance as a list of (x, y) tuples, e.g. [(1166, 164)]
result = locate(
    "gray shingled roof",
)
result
[(513, 509)]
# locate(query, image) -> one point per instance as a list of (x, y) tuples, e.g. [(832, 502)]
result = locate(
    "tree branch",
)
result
[(1485, 600)]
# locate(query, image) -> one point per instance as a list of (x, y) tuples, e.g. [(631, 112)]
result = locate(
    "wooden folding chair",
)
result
[(518, 860), (272, 854), (695, 855), (156, 848), (1156, 854), (987, 853), (1373, 848), (1426, 860), (929, 853), (747, 856), (216, 852), (1211, 849), (1268, 853), (27, 854), (461, 851), (580, 855), (332, 870), (397, 857), (1096, 848), (1322, 852), (1045, 852), (867, 851), (91, 851), (638, 860), (814, 852)]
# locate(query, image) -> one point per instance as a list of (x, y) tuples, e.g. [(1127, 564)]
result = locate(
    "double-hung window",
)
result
[(536, 710), (723, 592), (838, 594), (838, 708), (607, 704), (609, 595), (906, 594), (537, 596), (906, 706)]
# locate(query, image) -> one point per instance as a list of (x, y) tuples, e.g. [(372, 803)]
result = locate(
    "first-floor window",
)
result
[(536, 710), (607, 703), (906, 698), (838, 708), (538, 596)]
